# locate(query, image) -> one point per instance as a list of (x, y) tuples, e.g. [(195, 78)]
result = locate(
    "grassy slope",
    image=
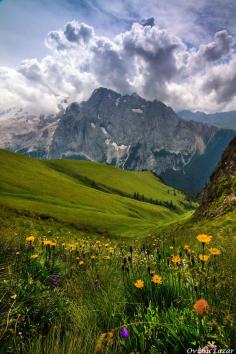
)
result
[(88, 196)]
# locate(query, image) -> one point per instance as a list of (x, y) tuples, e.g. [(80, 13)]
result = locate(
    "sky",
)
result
[(180, 52)]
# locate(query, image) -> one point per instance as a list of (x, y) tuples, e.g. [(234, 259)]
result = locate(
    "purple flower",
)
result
[(124, 332), (55, 279)]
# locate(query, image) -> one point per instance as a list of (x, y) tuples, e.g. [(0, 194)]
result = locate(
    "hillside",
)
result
[(219, 197), (88, 196)]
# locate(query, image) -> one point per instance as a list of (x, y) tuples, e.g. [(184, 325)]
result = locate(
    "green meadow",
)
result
[(94, 259), (88, 196)]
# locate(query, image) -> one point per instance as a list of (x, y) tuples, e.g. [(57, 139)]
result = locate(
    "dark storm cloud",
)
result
[(75, 32), (148, 22), (223, 86), (220, 47)]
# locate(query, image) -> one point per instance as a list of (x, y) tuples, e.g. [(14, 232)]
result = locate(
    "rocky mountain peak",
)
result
[(132, 133)]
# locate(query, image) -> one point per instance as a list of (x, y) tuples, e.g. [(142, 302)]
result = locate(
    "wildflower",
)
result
[(107, 257), (63, 244), (13, 297), (106, 245), (72, 246), (157, 279), (46, 243), (176, 260), (203, 257), (186, 248), (204, 238), (124, 333), (53, 244), (209, 348), (17, 253), (201, 306), (215, 252), (93, 258), (30, 239), (98, 242), (55, 279), (99, 344), (34, 256), (110, 338), (81, 262), (139, 284)]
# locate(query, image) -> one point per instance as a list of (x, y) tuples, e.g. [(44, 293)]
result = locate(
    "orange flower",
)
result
[(139, 284), (176, 260), (157, 279), (215, 251), (203, 257), (203, 238), (201, 306)]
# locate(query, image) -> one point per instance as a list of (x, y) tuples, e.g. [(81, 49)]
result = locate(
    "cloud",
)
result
[(145, 59)]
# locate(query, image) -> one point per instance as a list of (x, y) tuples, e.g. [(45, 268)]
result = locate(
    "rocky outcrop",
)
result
[(219, 197)]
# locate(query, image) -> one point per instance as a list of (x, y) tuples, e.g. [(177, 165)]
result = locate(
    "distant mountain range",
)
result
[(225, 120), (125, 131)]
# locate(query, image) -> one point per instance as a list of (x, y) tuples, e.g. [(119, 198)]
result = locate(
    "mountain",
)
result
[(221, 120), (219, 197), (122, 130), (27, 133), (91, 197), (132, 133)]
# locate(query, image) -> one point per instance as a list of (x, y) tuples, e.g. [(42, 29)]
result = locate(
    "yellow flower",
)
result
[(14, 296), (98, 242), (72, 246), (176, 260), (46, 243), (17, 253), (106, 245), (215, 251), (203, 257), (81, 262), (107, 257), (186, 248), (30, 238), (157, 279), (204, 238), (63, 244), (34, 256), (53, 244), (93, 257), (139, 284)]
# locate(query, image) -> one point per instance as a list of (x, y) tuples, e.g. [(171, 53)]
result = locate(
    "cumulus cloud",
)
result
[(145, 59)]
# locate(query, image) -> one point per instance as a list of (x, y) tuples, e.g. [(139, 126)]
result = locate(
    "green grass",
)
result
[(72, 201), (88, 196)]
